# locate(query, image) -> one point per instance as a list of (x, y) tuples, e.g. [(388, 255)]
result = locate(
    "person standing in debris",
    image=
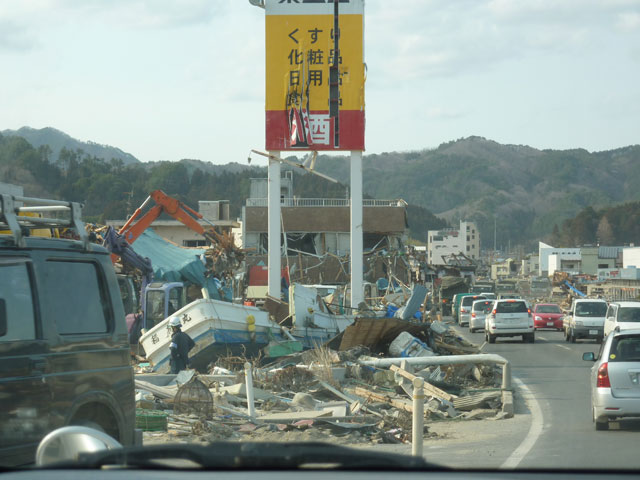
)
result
[(180, 345)]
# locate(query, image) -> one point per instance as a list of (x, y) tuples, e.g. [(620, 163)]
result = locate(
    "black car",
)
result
[(64, 353)]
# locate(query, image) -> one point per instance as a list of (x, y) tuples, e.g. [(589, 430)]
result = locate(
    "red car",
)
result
[(547, 315)]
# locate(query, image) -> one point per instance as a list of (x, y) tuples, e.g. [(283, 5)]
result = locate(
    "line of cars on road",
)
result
[(615, 375), (588, 318), (505, 316)]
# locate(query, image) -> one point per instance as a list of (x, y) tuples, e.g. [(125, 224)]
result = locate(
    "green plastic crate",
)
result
[(151, 420)]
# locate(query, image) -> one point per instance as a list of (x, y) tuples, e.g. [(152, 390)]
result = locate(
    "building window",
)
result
[(603, 265), (468, 248), (468, 238), (194, 243)]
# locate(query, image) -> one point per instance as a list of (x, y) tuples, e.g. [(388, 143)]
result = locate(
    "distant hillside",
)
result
[(58, 140), (111, 191), (619, 225), (208, 167), (524, 193), (524, 190)]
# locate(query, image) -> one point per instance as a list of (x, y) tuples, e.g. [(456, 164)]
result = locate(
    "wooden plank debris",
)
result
[(429, 389), (349, 399), (378, 397)]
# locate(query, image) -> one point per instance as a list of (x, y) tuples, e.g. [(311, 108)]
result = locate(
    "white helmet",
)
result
[(175, 322)]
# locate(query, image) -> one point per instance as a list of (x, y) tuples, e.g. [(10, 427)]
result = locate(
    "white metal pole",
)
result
[(248, 375), (417, 439), (273, 227), (357, 289)]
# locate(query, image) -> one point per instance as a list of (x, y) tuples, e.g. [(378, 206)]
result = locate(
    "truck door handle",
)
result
[(38, 365)]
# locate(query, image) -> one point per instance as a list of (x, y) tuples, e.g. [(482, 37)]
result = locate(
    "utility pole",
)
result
[(494, 233)]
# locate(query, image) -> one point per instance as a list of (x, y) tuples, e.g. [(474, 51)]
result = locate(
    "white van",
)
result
[(625, 315), (586, 319)]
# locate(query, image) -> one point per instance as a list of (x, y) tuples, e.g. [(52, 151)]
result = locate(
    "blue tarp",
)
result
[(175, 264)]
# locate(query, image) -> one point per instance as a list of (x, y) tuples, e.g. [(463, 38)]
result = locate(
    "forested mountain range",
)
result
[(112, 190), (58, 141), (520, 191), (524, 193)]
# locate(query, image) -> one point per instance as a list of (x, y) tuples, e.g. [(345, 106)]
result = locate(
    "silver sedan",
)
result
[(615, 378)]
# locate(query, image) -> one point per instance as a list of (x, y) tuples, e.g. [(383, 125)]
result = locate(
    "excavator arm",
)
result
[(139, 222)]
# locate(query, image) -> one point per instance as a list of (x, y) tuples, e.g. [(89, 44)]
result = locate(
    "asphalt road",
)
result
[(552, 427), (563, 434)]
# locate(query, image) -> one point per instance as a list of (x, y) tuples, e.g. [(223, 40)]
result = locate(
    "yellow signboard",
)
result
[(314, 78)]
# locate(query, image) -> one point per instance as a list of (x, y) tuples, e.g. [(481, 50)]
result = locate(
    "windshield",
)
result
[(629, 314), (548, 309), (625, 348), (591, 309), (483, 307), (468, 301), (305, 186), (511, 307), (482, 288)]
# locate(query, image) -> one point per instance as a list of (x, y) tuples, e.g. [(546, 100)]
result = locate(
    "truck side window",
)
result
[(76, 298), (15, 290)]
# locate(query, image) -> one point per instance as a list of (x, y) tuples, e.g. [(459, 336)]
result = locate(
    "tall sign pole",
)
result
[(273, 227), (357, 263), (315, 99)]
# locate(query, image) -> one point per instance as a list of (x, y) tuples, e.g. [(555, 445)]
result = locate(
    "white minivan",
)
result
[(625, 315), (509, 318), (586, 319)]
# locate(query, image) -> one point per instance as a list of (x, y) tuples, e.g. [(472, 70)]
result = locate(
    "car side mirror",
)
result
[(3, 317), (589, 357), (66, 443)]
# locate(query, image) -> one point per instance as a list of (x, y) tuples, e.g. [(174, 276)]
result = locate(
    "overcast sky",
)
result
[(173, 79)]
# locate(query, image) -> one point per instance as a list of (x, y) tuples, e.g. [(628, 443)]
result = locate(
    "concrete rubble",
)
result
[(322, 394)]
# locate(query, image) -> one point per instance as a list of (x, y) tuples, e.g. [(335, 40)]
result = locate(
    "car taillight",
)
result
[(473, 315), (493, 312), (463, 310), (603, 377)]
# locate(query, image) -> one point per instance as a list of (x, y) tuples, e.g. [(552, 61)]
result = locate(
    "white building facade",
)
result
[(631, 257), (443, 245)]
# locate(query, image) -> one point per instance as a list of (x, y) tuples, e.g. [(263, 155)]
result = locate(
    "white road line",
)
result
[(564, 346), (482, 346), (542, 338), (537, 423)]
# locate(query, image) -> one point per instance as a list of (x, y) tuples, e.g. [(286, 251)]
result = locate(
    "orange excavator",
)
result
[(119, 244), (139, 222)]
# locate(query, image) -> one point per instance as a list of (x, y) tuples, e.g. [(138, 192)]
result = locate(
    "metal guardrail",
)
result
[(325, 202), (448, 360), (12, 208)]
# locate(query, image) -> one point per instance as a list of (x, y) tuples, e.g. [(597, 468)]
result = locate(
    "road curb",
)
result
[(507, 403)]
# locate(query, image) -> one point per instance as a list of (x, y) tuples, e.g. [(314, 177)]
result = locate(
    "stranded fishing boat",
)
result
[(217, 328), (223, 328), (311, 322)]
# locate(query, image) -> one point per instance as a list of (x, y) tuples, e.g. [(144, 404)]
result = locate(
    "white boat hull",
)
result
[(216, 327)]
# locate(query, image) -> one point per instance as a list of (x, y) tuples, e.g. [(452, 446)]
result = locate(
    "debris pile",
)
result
[(321, 393)]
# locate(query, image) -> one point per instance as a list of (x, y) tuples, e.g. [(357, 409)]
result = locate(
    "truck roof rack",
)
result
[(12, 208)]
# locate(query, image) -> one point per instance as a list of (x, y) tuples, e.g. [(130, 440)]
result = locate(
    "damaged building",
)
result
[(319, 228)]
